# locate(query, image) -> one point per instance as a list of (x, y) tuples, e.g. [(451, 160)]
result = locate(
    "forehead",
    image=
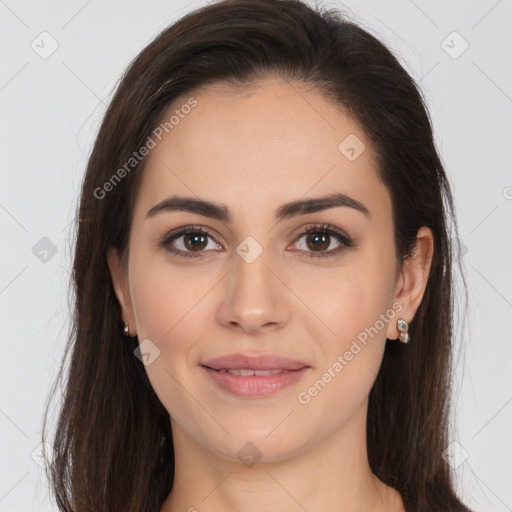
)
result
[(272, 143)]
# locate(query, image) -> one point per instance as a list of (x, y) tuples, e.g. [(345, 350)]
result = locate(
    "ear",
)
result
[(119, 276), (413, 278)]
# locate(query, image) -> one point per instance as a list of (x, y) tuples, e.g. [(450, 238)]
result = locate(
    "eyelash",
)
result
[(323, 229)]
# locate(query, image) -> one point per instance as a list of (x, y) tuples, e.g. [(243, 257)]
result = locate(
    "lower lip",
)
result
[(255, 385)]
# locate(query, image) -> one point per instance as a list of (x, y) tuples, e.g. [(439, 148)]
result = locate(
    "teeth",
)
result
[(248, 372)]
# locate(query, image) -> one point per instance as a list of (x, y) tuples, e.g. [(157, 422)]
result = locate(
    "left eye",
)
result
[(319, 237), (317, 240)]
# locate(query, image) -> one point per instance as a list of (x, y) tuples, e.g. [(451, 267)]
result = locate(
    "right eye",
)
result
[(194, 243)]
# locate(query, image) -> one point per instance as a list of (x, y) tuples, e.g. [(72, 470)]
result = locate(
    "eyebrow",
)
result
[(286, 211)]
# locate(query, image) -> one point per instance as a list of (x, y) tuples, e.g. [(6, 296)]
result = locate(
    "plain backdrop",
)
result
[(60, 62)]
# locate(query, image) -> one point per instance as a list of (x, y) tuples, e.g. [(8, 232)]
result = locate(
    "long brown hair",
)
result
[(113, 449)]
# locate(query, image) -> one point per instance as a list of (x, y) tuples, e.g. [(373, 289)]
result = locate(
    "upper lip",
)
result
[(263, 362)]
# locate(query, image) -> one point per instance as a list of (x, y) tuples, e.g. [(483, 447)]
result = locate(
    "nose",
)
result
[(254, 297)]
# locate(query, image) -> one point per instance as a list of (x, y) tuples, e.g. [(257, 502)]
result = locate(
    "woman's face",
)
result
[(250, 286)]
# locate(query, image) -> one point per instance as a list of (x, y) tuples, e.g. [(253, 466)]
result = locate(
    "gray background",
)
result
[(51, 106)]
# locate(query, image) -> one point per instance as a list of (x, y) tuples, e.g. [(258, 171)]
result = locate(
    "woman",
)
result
[(263, 278)]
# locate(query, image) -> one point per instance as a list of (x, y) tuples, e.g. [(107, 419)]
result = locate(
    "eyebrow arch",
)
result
[(286, 211)]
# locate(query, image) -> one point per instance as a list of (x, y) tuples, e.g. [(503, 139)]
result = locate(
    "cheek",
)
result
[(355, 307), (166, 297), (350, 300), (171, 308), (352, 349)]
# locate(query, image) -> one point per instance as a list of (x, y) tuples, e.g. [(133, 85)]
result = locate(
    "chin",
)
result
[(259, 447)]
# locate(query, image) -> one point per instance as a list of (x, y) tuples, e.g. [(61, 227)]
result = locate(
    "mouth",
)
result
[(251, 377), (248, 383)]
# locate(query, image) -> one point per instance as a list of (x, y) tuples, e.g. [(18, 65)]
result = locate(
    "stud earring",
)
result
[(126, 329), (403, 327)]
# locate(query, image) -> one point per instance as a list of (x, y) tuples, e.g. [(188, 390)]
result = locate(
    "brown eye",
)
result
[(317, 239), (195, 242)]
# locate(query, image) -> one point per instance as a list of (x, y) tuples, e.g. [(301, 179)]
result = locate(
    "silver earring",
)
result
[(126, 329), (403, 327)]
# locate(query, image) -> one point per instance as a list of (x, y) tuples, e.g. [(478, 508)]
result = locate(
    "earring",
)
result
[(403, 327), (126, 329)]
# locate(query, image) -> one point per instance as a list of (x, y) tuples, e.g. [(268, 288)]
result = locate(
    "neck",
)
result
[(332, 475)]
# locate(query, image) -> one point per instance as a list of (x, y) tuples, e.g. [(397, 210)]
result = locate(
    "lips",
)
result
[(245, 363), (254, 386), (247, 376)]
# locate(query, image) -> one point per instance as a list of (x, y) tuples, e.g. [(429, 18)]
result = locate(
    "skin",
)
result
[(254, 151)]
